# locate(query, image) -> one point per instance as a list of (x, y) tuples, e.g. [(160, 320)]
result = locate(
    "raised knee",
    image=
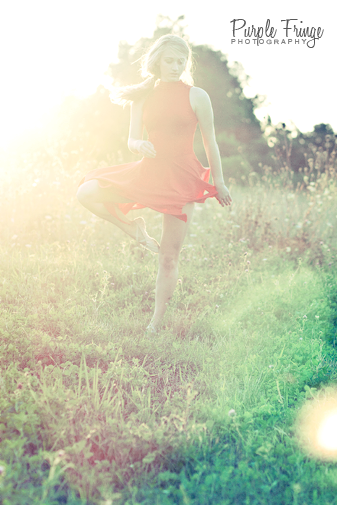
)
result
[(86, 191)]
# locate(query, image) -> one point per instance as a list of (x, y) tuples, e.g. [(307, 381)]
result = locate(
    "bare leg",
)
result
[(174, 232), (92, 197)]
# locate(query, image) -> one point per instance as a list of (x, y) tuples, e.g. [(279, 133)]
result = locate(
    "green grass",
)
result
[(93, 411)]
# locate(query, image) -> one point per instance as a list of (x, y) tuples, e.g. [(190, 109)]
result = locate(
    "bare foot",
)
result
[(151, 330)]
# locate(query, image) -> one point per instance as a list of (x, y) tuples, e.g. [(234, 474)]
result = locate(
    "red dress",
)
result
[(174, 176)]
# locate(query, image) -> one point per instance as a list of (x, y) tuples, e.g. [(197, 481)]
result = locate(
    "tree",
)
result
[(294, 148)]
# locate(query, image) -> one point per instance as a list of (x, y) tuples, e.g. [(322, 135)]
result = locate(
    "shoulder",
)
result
[(199, 92), (200, 99)]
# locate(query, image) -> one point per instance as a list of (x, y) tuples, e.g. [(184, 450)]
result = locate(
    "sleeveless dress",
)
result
[(174, 176)]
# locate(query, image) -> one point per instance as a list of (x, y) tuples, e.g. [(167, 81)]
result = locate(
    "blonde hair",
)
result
[(150, 69)]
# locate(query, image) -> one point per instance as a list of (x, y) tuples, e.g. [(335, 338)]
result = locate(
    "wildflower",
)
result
[(271, 366), (231, 412), (48, 217), (297, 488), (245, 253), (264, 259), (28, 245), (305, 317), (317, 317), (84, 241), (2, 469), (246, 270), (301, 338), (19, 385), (83, 222), (97, 274), (321, 242), (248, 262)]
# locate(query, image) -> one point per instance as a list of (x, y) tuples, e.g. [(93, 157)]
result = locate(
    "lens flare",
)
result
[(327, 433), (316, 425)]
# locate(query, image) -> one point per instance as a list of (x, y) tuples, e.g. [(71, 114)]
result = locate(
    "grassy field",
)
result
[(95, 412)]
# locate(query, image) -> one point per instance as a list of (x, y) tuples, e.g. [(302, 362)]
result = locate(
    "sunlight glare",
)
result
[(327, 433), (316, 425)]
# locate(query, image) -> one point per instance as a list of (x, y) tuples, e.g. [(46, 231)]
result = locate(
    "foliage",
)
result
[(296, 150), (93, 411)]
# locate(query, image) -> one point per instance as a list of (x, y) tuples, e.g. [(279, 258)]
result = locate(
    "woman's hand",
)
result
[(146, 148), (223, 196)]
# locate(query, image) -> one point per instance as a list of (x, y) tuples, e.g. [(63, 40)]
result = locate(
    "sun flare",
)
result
[(327, 433), (316, 426)]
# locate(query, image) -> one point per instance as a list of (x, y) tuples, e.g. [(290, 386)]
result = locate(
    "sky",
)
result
[(51, 49)]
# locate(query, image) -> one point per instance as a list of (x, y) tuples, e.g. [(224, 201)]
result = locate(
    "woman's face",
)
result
[(172, 64)]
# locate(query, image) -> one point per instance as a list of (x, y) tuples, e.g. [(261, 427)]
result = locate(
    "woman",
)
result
[(169, 178)]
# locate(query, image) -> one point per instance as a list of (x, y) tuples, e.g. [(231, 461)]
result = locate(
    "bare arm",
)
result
[(204, 112), (136, 144)]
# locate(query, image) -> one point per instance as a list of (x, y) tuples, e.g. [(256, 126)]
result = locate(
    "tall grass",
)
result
[(94, 411)]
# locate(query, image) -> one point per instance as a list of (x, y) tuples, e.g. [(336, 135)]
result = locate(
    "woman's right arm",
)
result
[(136, 143)]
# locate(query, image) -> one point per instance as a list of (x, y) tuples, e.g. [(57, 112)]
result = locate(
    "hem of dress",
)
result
[(126, 207)]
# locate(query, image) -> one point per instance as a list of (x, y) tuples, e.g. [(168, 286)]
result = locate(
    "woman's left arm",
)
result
[(202, 106)]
